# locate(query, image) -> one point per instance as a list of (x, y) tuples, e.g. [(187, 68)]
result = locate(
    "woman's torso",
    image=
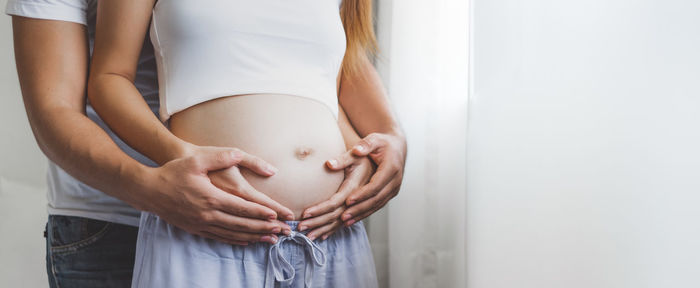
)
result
[(281, 58), (295, 134)]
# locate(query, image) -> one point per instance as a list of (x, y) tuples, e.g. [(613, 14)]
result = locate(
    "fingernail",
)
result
[(290, 216), (325, 237), (312, 237), (346, 217), (302, 228), (268, 239), (350, 222), (333, 162), (360, 148), (287, 232), (307, 215), (272, 217), (271, 169), (276, 230)]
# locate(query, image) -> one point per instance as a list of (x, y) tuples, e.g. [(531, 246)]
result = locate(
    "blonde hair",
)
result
[(358, 21)]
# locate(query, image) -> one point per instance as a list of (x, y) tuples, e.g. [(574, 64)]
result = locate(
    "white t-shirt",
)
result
[(67, 195)]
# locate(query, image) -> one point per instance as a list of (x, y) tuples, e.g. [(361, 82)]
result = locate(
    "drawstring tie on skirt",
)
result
[(277, 265)]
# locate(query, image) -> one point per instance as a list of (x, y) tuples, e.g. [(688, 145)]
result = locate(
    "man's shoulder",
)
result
[(61, 10)]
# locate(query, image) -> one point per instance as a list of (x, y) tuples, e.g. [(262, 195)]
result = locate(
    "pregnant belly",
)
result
[(295, 134)]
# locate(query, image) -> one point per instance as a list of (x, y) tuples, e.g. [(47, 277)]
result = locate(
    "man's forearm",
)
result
[(81, 148), (51, 61)]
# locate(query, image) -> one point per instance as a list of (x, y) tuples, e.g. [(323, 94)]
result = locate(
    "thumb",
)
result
[(341, 162), (217, 159), (368, 145)]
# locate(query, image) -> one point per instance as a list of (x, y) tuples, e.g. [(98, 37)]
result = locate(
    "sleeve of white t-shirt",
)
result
[(63, 10)]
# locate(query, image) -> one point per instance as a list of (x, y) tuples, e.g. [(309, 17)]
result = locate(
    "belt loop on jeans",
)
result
[(277, 265)]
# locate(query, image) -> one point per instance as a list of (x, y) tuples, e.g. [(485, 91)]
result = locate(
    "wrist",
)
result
[(396, 132), (184, 149), (178, 149), (141, 180)]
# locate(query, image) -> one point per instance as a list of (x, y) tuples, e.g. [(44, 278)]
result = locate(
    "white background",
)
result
[(584, 144)]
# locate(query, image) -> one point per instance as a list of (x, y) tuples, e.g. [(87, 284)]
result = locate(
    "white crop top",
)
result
[(207, 49)]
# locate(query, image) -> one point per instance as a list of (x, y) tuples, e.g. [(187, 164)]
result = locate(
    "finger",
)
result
[(359, 209), (367, 205), (379, 180), (247, 192), (217, 159), (323, 219), (247, 225), (286, 229), (242, 236), (256, 164), (337, 200), (237, 206), (368, 213), (374, 208), (262, 199), (329, 228), (367, 145), (355, 178), (329, 234), (213, 236), (341, 162)]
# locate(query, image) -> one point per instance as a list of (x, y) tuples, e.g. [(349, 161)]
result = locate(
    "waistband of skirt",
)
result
[(294, 224)]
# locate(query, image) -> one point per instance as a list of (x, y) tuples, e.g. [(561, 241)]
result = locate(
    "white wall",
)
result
[(20, 157), (584, 137), (22, 180), (424, 65)]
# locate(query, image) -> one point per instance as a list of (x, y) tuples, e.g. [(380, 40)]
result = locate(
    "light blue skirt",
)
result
[(169, 257)]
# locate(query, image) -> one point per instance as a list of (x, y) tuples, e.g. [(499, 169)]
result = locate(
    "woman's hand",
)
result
[(388, 151), (324, 218)]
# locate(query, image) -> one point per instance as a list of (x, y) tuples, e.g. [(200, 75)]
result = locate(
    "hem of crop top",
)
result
[(168, 110)]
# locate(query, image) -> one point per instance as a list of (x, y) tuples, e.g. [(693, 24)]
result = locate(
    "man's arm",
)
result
[(52, 59)]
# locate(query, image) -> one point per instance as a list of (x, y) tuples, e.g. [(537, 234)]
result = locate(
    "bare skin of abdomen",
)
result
[(295, 134)]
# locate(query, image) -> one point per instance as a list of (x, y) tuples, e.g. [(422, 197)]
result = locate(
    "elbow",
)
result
[(94, 91), (100, 86)]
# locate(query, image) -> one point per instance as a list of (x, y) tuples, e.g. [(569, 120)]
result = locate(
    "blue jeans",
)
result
[(82, 252)]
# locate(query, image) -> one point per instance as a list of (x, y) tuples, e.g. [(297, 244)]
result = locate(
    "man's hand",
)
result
[(388, 151), (324, 218), (183, 195)]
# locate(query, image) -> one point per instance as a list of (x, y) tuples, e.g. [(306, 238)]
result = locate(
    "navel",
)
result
[(302, 152)]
